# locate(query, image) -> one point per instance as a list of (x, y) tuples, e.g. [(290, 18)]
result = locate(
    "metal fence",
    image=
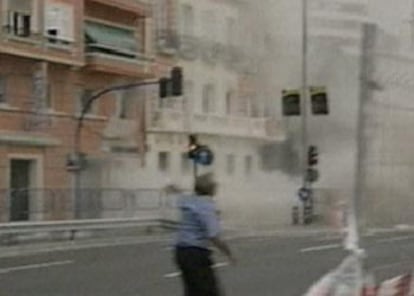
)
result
[(46, 204)]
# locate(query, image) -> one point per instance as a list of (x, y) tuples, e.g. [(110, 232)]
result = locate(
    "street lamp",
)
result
[(76, 161), (304, 100)]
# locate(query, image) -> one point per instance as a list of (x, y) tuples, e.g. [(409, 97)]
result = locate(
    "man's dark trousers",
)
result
[(197, 273)]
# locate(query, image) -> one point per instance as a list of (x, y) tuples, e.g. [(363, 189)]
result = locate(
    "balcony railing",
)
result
[(189, 47), (176, 121), (45, 204), (167, 42)]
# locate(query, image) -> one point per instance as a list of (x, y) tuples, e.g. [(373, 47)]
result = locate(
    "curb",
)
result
[(26, 249)]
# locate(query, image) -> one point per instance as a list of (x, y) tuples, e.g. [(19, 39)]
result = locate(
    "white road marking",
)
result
[(321, 248), (34, 266), (172, 274), (395, 239), (178, 273), (220, 264)]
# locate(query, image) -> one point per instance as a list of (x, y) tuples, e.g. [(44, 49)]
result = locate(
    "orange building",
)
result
[(54, 54)]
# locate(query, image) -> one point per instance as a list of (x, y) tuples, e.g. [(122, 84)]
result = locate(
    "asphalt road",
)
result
[(280, 266)]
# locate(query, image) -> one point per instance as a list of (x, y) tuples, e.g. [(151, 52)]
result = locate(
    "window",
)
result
[(41, 90), (164, 161), (123, 107), (188, 95), (248, 161), (231, 34), (83, 97), (163, 14), (59, 23), (208, 99), (230, 164), (185, 164), (229, 102), (353, 8), (111, 40), (124, 104), (20, 21), (209, 21), (187, 20), (3, 89)]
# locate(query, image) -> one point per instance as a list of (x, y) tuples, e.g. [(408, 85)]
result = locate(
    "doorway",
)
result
[(20, 181)]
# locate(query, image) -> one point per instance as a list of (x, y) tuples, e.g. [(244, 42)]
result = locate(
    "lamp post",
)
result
[(304, 106), (76, 160), (306, 184)]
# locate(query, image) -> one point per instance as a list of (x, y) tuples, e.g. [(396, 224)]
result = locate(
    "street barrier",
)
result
[(53, 213), (81, 225)]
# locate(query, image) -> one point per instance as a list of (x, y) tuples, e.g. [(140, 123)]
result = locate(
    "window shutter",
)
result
[(67, 22)]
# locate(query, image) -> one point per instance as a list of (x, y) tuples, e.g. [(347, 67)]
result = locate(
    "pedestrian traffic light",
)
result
[(312, 155), (163, 87), (177, 81), (319, 100), (290, 102), (204, 155)]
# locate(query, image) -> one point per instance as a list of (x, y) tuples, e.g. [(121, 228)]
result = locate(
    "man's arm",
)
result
[(210, 220)]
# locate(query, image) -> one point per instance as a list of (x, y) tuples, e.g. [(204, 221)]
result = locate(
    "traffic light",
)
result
[(164, 87), (319, 101), (290, 102), (177, 81), (312, 155)]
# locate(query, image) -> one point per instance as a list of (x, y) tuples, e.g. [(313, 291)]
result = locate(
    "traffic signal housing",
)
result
[(177, 81), (291, 103), (313, 155), (319, 100), (172, 86)]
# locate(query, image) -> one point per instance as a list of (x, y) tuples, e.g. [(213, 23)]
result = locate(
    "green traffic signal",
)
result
[(291, 103), (319, 101)]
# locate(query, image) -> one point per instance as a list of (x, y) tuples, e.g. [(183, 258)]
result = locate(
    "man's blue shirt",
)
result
[(199, 221)]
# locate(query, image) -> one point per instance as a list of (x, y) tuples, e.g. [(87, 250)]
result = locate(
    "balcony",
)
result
[(167, 121), (210, 52), (140, 7), (21, 38), (189, 47), (167, 42), (260, 128), (175, 121), (115, 50), (121, 133), (232, 57)]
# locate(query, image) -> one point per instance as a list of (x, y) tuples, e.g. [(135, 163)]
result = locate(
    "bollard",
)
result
[(295, 215)]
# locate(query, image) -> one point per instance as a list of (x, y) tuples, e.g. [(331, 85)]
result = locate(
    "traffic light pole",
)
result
[(304, 100), (308, 203), (195, 170)]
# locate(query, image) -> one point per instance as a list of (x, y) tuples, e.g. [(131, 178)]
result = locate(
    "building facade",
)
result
[(220, 105), (54, 55)]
